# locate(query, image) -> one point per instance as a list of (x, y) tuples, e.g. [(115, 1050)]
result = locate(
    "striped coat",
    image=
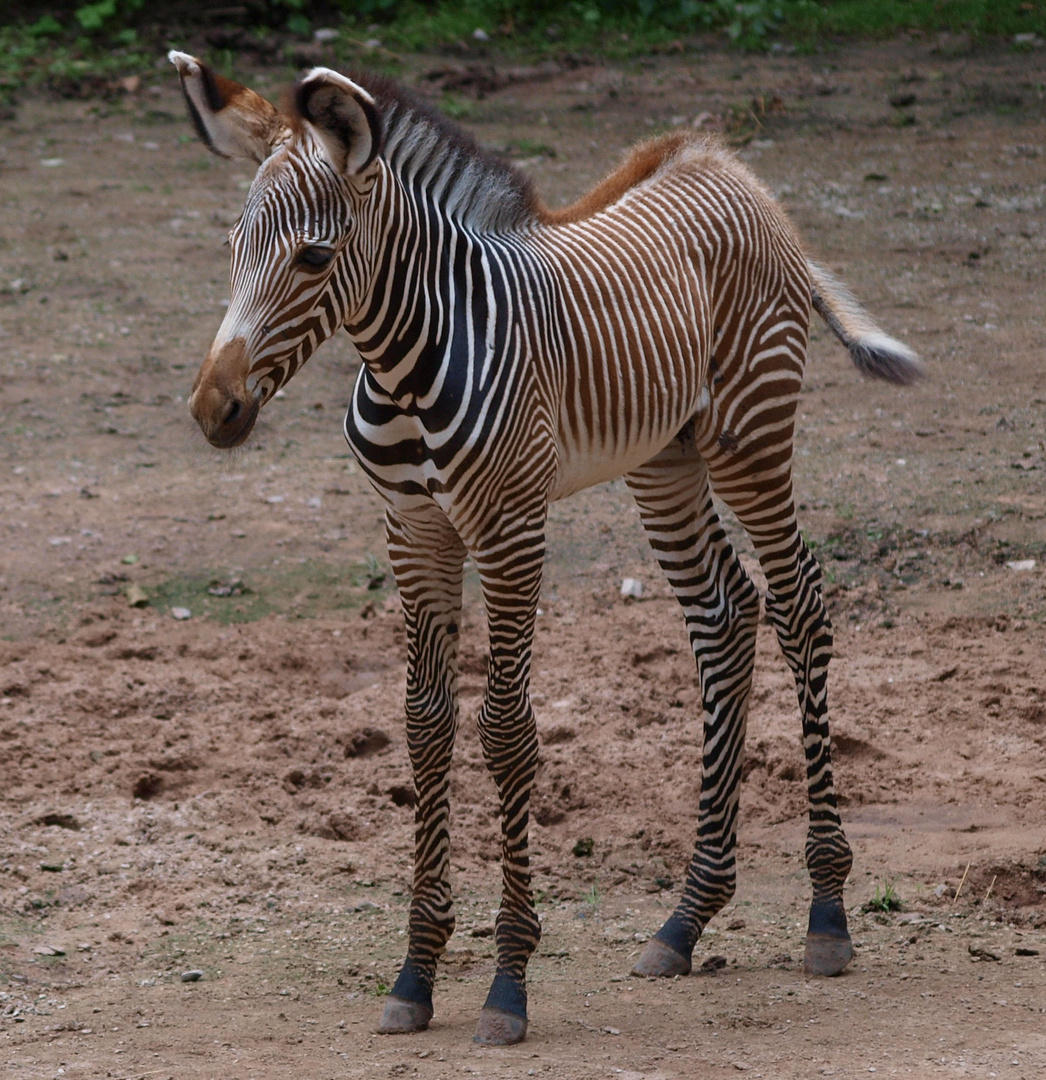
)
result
[(513, 355)]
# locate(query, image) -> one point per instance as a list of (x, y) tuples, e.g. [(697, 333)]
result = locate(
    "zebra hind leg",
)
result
[(721, 608), (427, 558), (796, 610), (752, 473)]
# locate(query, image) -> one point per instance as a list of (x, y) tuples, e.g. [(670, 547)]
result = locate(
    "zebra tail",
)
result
[(874, 353)]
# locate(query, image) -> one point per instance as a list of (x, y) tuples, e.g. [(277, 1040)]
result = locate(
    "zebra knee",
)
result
[(509, 738), (732, 619), (800, 618)]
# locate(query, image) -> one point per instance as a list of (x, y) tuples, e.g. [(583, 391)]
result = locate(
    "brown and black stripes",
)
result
[(512, 355)]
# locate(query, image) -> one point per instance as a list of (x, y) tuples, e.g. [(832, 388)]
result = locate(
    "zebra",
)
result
[(513, 354)]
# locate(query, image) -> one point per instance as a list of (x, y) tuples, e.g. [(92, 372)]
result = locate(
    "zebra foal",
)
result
[(512, 355)]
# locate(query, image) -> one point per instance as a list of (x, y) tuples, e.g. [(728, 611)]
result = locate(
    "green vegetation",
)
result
[(75, 47), (299, 590), (884, 900), (592, 898)]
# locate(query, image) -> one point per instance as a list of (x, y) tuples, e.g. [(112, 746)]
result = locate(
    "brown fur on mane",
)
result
[(640, 164)]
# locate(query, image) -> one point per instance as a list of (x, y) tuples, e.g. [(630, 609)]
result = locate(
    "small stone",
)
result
[(977, 953), (181, 613), (631, 589), (366, 905), (137, 597), (1022, 565), (480, 35), (194, 975)]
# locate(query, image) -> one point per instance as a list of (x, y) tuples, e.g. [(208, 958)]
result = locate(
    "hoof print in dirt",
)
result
[(365, 741), (403, 795), (60, 820), (298, 778), (337, 825), (148, 786)]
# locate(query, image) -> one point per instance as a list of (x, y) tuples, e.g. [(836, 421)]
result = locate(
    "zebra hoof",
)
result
[(402, 1016), (827, 955), (658, 961), (498, 1028), (828, 945)]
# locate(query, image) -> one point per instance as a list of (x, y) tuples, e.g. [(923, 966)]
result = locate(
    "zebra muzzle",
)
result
[(220, 401)]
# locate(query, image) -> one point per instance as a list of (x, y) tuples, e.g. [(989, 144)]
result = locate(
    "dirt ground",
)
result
[(229, 793)]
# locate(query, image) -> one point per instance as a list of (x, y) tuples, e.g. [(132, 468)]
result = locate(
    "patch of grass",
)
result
[(979, 19), (456, 108), (302, 590), (592, 897), (85, 49), (530, 148), (884, 900), (69, 64)]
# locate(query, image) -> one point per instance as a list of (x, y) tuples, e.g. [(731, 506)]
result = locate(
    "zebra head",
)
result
[(295, 275)]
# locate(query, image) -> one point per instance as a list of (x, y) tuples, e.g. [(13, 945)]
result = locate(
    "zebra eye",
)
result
[(315, 256)]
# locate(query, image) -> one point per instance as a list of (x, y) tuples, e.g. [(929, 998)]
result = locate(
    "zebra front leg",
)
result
[(721, 608), (508, 735), (427, 557), (796, 610)]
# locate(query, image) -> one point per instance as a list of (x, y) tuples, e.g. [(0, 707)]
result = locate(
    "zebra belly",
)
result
[(596, 463), (582, 470)]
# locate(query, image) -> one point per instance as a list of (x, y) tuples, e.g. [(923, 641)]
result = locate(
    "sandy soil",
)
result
[(230, 794)]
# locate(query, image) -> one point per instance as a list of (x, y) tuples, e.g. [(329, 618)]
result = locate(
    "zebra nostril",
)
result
[(233, 413)]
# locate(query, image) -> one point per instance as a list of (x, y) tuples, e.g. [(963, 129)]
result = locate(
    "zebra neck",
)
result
[(439, 162), (435, 305)]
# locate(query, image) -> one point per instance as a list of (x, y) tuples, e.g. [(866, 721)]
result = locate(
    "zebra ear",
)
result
[(345, 117), (232, 120)]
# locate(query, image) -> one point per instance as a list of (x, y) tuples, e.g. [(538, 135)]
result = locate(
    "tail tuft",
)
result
[(879, 356), (874, 353)]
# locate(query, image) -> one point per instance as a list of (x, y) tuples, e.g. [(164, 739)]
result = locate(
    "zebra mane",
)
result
[(472, 185)]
